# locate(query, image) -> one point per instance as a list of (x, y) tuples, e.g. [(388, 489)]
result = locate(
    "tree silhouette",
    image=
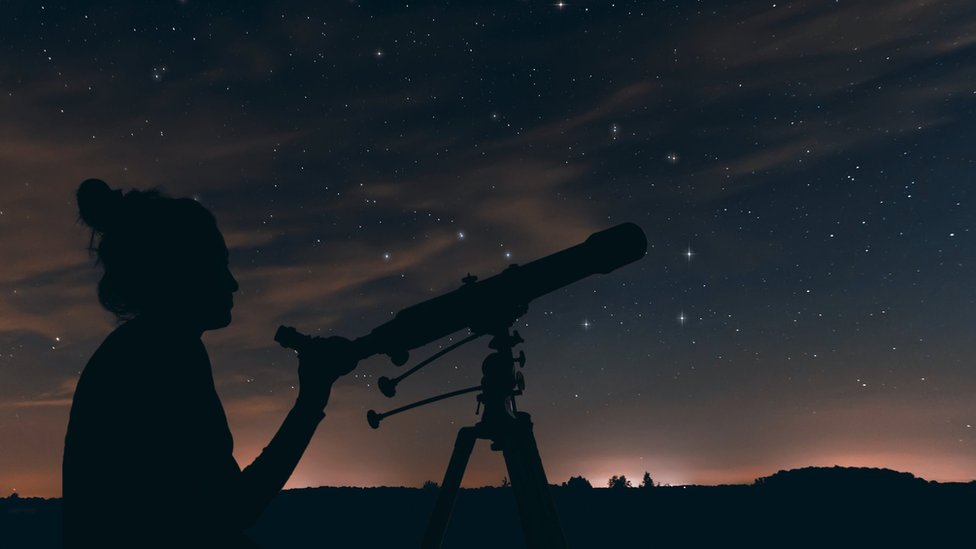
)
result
[(430, 485), (620, 482), (647, 481), (577, 483)]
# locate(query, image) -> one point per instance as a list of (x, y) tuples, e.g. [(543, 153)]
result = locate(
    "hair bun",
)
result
[(98, 204)]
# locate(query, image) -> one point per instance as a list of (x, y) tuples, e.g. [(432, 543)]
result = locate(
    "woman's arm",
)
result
[(267, 474), (319, 368)]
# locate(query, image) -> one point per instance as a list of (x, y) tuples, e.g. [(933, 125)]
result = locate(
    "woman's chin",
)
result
[(218, 321)]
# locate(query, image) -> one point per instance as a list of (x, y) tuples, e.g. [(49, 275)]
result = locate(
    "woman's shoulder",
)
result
[(128, 340)]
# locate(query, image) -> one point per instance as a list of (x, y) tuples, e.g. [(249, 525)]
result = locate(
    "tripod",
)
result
[(511, 432)]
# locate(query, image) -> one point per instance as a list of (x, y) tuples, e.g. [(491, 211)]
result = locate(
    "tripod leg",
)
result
[(540, 523), (449, 488)]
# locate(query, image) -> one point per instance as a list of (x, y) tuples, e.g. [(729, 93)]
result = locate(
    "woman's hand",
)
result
[(320, 363)]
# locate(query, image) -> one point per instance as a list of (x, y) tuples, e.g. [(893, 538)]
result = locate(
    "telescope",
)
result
[(483, 305), (490, 307)]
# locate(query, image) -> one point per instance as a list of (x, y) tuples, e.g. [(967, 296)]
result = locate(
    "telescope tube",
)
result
[(498, 301)]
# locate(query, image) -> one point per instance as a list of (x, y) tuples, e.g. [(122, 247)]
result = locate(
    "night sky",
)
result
[(803, 172)]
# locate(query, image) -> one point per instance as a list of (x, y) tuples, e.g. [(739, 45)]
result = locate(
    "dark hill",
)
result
[(841, 478)]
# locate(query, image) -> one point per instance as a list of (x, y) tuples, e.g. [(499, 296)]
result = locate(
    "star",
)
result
[(682, 318), (460, 235), (158, 73), (585, 324), (689, 254), (387, 256)]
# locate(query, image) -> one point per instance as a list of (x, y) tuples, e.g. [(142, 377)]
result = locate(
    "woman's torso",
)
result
[(148, 455)]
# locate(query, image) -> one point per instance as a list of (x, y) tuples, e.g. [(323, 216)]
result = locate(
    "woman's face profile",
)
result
[(202, 289)]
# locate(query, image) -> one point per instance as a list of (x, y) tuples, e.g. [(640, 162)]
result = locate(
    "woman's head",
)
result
[(163, 257)]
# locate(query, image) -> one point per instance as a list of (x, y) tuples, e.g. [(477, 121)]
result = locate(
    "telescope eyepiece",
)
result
[(290, 338)]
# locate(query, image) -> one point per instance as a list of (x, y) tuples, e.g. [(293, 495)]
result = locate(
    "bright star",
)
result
[(158, 73), (682, 318), (689, 254)]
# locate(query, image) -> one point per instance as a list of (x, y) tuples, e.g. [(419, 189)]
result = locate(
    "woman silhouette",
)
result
[(148, 455)]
